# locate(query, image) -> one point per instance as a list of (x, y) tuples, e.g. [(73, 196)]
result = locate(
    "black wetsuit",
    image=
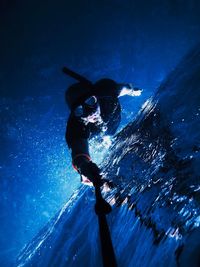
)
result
[(77, 133)]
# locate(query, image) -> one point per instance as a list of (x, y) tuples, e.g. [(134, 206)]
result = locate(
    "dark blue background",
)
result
[(129, 41)]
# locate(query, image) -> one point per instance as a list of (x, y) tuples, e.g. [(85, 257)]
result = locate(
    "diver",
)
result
[(95, 110)]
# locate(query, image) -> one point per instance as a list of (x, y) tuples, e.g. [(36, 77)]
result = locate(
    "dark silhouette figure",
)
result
[(95, 110)]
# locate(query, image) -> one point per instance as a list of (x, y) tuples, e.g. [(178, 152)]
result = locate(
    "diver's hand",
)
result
[(92, 172), (88, 169), (129, 89)]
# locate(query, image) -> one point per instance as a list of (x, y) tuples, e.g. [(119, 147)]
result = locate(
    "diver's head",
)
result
[(89, 110), (76, 94)]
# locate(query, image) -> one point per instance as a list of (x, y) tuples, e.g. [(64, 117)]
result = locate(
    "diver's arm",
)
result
[(77, 140), (80, 153)]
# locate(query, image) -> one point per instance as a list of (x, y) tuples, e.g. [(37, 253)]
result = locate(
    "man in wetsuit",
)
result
[(95, 109)]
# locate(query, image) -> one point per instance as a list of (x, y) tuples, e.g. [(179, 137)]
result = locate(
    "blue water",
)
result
[(137, 41), (154, 163)]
